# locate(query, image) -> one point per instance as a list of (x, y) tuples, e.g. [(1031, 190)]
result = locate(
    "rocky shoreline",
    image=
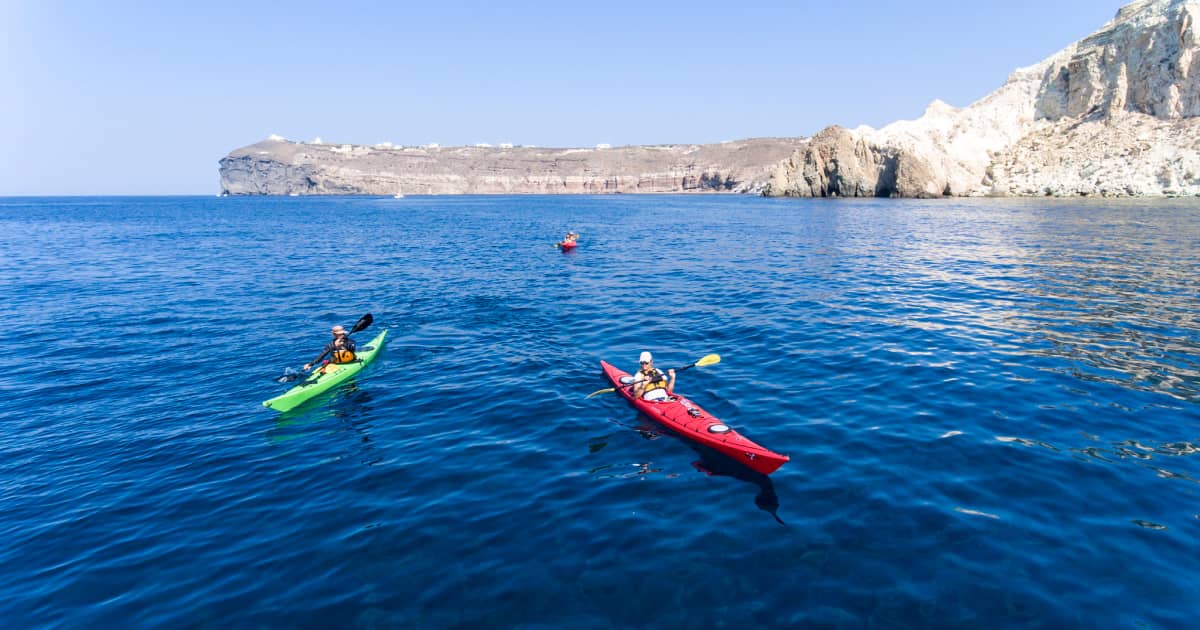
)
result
[(1115, 115), (280, 167)]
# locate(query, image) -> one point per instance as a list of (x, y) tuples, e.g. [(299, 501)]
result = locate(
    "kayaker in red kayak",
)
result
[(650, 383), (568, 242), (340, 350)]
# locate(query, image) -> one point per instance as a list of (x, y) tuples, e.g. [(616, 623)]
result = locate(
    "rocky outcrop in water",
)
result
[(279, 167), (1117, 114), (838, 162)]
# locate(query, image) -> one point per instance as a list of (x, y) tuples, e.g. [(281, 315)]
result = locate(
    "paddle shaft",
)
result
[(614, 389)]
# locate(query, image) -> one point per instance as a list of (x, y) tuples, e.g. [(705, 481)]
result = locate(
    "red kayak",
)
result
[(567, 246), (687, 419)]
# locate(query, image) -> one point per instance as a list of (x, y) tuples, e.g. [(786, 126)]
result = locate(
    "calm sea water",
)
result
[(992, 409)]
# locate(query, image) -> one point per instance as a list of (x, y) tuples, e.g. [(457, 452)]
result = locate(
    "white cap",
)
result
[(645, 358)]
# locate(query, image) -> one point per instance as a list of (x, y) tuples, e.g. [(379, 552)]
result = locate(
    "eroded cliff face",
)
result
[(838, 162), (280, 167), (1144, 61), (1120, 116), (1116, 114)]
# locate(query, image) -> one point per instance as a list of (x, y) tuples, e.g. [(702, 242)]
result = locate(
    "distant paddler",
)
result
[(570, 240)]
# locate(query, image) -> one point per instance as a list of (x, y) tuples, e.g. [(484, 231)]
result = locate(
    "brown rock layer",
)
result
[(838, 163), (279, 167)]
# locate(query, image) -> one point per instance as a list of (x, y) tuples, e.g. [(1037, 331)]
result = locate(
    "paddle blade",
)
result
[(609, 390), (362, 323), (711, 359), (289, 375)]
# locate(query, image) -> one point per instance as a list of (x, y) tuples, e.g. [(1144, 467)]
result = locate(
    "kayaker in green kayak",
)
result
[(650, 383), (340, 350)]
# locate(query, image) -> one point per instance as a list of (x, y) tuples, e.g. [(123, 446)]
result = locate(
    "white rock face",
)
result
[(1134, 155), (1116, 114), (1143, 61), (1120, 116)]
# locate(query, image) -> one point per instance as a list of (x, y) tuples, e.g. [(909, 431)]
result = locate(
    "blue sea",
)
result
[(992, 410)]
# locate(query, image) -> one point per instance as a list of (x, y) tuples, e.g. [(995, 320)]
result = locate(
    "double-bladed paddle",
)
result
[(711, 359), (362, 323)]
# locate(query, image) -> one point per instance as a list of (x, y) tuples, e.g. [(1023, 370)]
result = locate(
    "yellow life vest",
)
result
[(342, 356), (650, 384)]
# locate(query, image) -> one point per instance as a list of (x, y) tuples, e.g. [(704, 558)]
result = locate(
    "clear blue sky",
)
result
[(142, 97)]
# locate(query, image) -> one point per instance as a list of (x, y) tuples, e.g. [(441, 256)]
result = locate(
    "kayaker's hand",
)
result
[(671, 373), (306, 366)]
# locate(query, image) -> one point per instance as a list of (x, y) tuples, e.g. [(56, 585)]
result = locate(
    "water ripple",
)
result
[(986, 403)]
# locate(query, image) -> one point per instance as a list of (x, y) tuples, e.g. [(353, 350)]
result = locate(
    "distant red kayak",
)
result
[(567, 246), (690, 421)]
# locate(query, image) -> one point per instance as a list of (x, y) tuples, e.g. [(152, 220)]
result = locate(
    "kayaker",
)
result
[(340, 350), (571, 237), (650, 383)]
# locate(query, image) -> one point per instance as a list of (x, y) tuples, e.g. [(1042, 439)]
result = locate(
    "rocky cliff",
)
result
[(280, 167), (1117, 114)]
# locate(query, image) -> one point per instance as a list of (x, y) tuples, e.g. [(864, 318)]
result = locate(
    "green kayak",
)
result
[(325, 378)]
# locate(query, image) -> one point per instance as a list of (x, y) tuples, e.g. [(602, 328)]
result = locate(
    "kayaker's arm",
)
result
[(327, 350), (345, 343), (642, 381), (638, 385)]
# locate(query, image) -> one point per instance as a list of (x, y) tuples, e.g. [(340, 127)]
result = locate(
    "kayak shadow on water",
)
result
[(716, 464), (346, 407)]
